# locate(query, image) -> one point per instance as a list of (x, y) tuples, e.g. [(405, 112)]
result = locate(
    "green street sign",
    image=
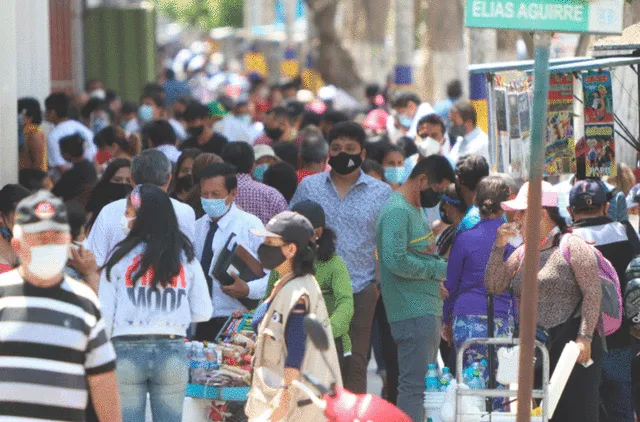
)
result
[(592, 16)]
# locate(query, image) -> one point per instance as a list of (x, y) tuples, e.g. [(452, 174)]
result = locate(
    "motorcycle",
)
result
[(339, 404)]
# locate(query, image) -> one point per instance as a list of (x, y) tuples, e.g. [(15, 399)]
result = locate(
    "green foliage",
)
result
[(206, 14)]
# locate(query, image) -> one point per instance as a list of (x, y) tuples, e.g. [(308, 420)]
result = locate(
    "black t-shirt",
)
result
[(215, 144), (75, 181)]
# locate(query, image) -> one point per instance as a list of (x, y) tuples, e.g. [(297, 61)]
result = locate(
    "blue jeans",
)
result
[(616, 388), (155, 366)]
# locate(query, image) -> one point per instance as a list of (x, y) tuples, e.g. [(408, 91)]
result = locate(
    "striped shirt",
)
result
[(50, 340)]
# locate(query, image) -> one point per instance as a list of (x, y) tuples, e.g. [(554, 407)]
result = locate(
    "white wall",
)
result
[(8, 95), (33, 59)]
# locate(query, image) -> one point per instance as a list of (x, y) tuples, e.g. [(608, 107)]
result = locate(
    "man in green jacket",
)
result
[(410, 275)]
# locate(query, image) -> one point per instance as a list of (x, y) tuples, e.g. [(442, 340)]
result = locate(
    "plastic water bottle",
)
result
[(198, 361), (445, 379), (431, 382), (477, 382)]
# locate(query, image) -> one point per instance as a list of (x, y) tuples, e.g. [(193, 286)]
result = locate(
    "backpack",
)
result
[(611, 307)]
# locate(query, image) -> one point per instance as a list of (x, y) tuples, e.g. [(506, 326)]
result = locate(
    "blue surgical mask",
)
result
[(215, 208), (258, 172), (394, 175), (405, 121), (245, 118), (145, 113)]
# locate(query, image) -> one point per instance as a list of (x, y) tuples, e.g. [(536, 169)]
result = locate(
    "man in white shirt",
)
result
[(152, 167), (162, 137), (238, 125), (224, 221), (464, 120), (409, 110), (57, 112)]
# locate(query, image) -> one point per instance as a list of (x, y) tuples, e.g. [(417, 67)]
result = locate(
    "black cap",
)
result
[(40, 212), (312, 211), (290, 226), (588, 193)]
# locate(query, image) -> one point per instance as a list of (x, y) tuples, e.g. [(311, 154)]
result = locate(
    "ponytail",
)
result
[(560, 222)]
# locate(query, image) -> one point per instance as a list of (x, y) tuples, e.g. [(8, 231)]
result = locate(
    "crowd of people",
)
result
[(383, 222)]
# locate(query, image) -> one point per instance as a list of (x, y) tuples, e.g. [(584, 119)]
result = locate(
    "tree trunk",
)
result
[(335, 64)]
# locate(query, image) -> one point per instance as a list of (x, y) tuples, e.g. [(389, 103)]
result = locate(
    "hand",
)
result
[(238, 313), (238, 289), (280, 413), (444, 293), (585, 349), (83, 261), (505, 233), (447, 333)]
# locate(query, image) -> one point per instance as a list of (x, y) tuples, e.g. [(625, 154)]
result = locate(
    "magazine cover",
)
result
[(598, 146), (560, 141)]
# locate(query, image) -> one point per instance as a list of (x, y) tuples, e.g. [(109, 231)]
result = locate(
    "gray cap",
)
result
[(290, 226)]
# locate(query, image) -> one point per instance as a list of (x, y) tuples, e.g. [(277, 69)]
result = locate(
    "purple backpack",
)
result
[(611, 308)]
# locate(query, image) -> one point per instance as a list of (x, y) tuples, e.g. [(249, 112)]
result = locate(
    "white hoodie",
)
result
[(130, 308)]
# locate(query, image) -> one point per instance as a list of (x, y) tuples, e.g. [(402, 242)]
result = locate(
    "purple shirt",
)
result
[(465, 273), (259, 199)]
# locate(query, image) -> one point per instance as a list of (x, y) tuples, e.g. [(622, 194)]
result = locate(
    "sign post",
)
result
[(583, 16)]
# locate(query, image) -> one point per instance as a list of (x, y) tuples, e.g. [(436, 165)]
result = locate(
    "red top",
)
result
[(102, 157), (5, 268)]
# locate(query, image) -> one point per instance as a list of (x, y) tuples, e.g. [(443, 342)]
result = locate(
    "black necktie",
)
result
[(207, 253)]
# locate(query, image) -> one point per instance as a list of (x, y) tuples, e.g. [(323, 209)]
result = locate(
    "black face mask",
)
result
[(196, 131), (178, 115), (344, 163), (184, 183), (275, 133), (270, 256), (444, 217), (429, 198)]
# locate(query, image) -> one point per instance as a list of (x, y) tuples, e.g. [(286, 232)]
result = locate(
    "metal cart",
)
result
[(491, 393)]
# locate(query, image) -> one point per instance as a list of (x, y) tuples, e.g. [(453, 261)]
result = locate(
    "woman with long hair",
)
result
[(182, 180), (569, 296), (33, 154), (152, 289), (114, 184)]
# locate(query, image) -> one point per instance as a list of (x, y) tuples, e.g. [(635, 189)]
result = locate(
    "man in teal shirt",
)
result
[(410, 275)]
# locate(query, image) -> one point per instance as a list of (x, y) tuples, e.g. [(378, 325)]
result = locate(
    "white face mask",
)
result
[(124, 223), (516, 240), (47, 261)]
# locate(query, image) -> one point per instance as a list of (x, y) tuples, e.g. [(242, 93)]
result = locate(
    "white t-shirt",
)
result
[(136, 308), (106, 232), (67, 128), (171, 152)]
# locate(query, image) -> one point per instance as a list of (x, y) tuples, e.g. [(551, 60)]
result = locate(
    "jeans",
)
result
[(155, 366), (418, 340), (616, 387)]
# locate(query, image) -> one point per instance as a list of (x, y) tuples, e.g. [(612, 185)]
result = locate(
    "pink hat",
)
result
[(376, 120), (549, 198)]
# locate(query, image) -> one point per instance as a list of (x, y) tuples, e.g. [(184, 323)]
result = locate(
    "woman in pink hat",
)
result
[(569, 297)]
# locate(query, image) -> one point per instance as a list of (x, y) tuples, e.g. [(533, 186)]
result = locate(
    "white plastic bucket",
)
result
[(433, 403)]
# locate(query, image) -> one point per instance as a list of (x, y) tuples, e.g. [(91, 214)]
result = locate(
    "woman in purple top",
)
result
[(465, 310)]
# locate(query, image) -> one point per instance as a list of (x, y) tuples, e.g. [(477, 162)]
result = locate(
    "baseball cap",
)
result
[(376, 120), (216, 109), (261, 151), (590, 192), (40, 212), (290, 226), (549, 198), (313, 211)]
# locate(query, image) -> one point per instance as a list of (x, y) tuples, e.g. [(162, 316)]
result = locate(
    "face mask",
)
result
[(394, 175), (405, 121), (6, 233), (215, 208), (429, 198), (178, 115), (124, 224), (145, 113), (275, 133), (98, 125), (270, 256), (344, 163), (48, 261), (516, 240), (456, 131), (196, 131), (444, 217), (245, 118), (258, 172)]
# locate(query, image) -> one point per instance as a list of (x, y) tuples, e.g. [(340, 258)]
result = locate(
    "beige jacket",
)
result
[(271, 351)]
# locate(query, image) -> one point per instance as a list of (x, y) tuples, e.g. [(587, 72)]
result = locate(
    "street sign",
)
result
[(592, 16)]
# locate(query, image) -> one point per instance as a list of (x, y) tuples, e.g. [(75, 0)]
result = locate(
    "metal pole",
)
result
[(491, 115), (491, 348), (405, 42), (529, 295)]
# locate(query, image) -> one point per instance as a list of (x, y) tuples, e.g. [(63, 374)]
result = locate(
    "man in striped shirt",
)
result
[(53, 346)]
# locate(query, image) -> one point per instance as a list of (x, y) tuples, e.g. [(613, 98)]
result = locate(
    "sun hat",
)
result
[(549, 198)]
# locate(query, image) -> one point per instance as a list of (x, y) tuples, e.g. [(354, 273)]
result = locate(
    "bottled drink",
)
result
[(477, 382), (431, 382), (198, 361), (445, 379)]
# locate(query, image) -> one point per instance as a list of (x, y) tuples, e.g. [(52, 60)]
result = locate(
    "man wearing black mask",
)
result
[(201, 135), (410, 275), (351, 201)]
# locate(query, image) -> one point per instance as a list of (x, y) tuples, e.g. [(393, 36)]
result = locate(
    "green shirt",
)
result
[(409, 278), (335, 283)]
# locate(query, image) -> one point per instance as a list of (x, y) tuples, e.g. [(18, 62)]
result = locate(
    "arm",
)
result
[(105, 397), (98, 239), (37, 145), (454, 274), (343, 292), (199, 297), (587, 265), (394, 253), (499, 272)]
